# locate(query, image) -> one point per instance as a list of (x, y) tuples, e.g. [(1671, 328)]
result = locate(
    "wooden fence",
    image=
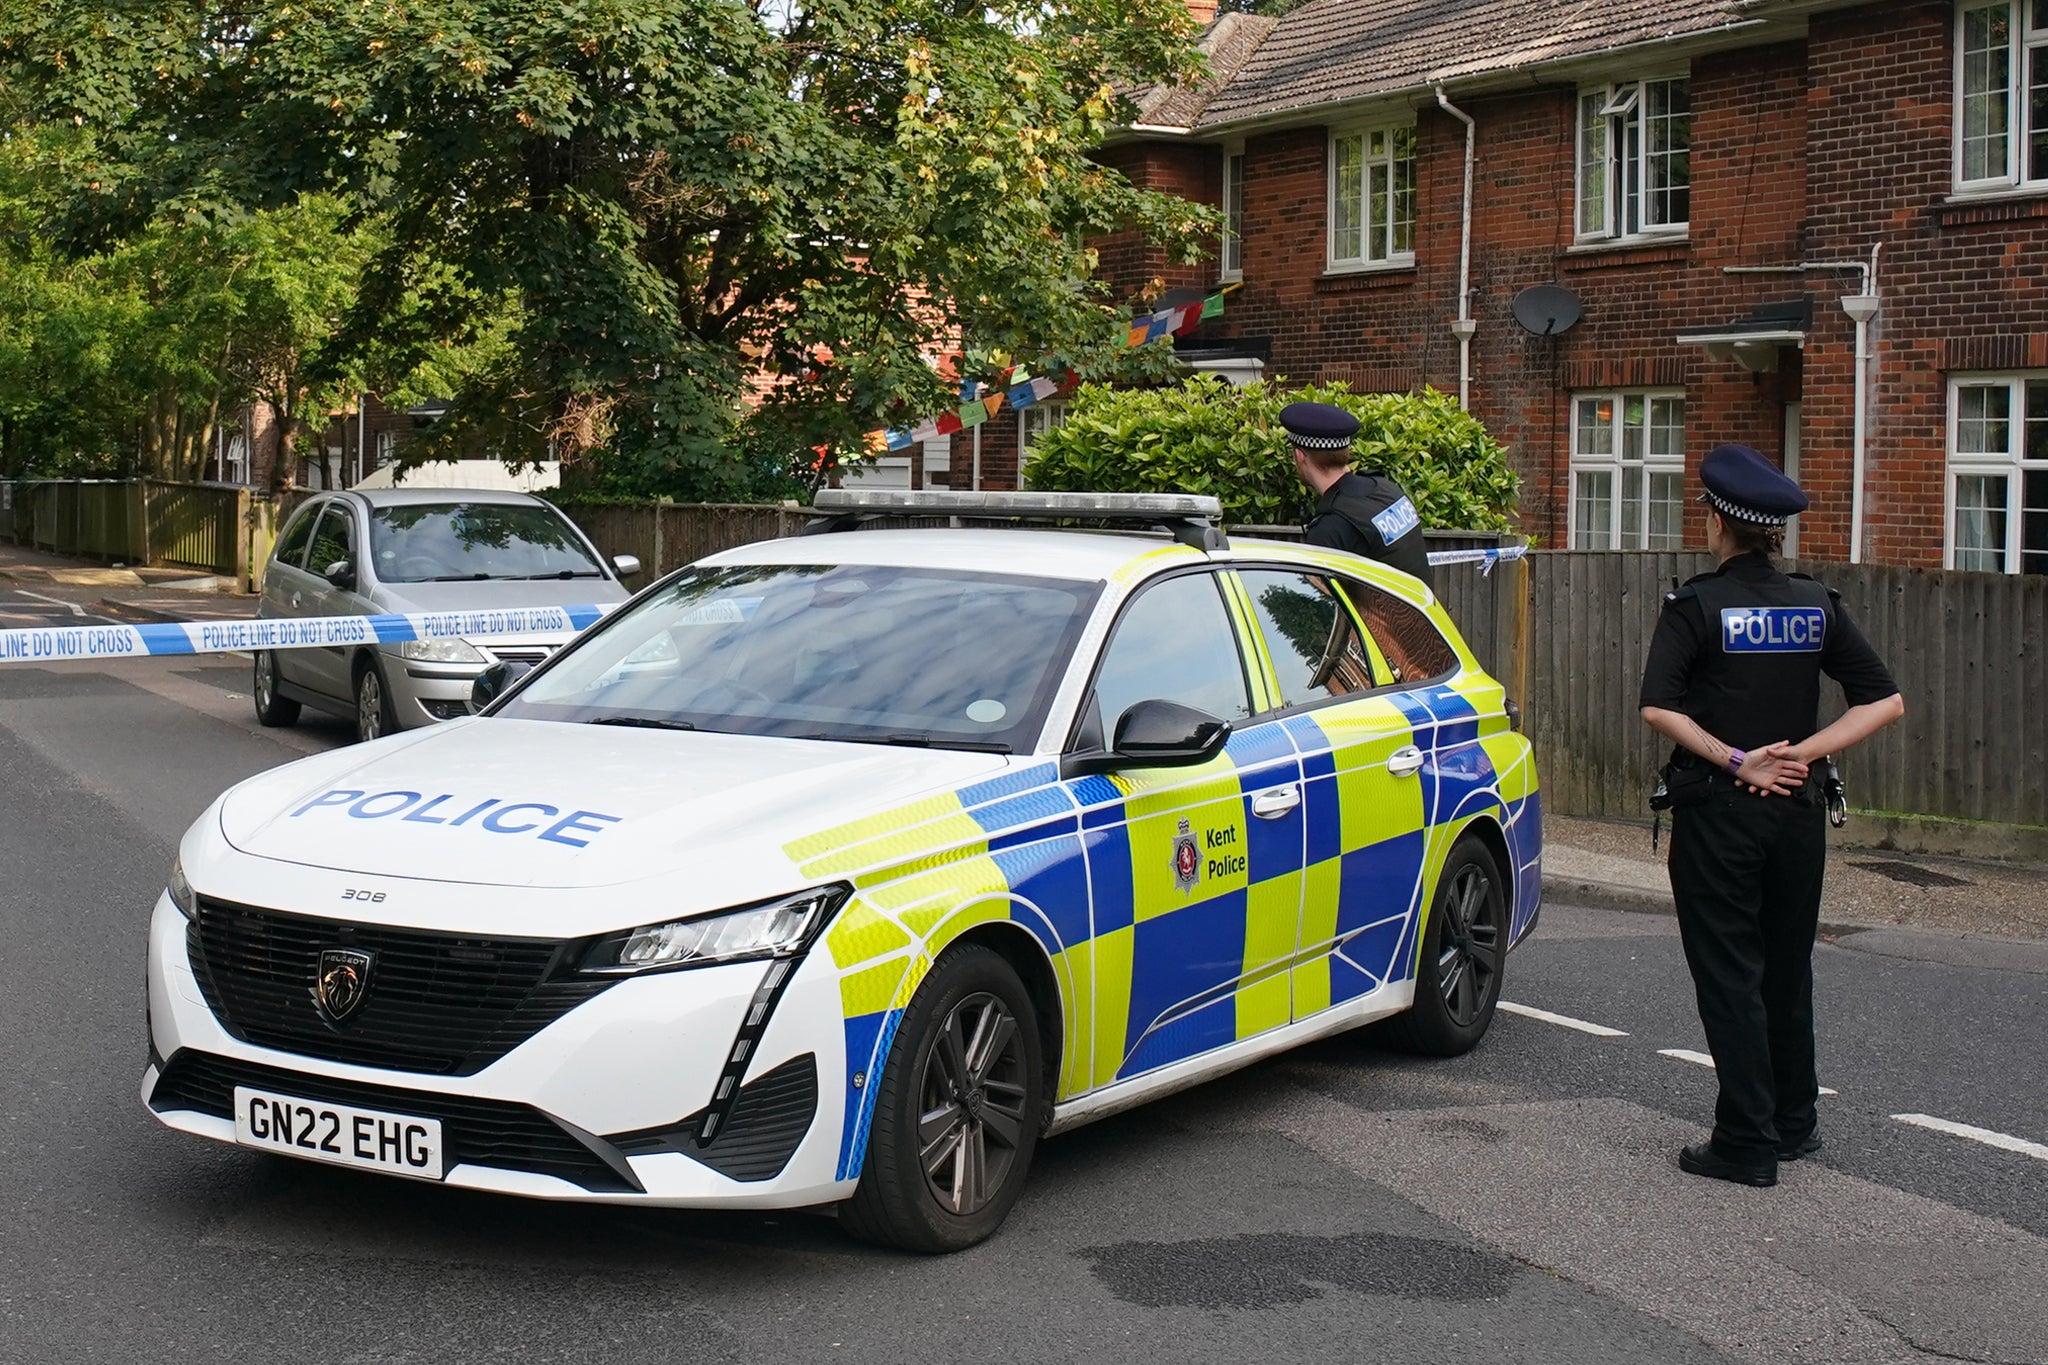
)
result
[(212, 528), (1966, 649)]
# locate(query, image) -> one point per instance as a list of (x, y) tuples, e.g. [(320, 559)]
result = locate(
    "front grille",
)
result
[(443, 1004), (474, 1132)]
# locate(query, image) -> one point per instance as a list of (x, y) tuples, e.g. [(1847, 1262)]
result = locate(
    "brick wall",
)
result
[(1802, 150)]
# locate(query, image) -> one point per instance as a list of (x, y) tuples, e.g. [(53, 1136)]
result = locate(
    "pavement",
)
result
[(1336, 1203)]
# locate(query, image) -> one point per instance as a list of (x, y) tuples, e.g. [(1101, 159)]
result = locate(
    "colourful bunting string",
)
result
[(1017, 387)]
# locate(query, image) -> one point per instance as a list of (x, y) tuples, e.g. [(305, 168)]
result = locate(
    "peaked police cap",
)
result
[(1318, 426), (1742, 484)]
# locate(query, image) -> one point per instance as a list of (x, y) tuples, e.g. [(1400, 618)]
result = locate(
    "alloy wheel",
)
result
[(1468, 955), (369, 706), (266, 682), (971, 1105)]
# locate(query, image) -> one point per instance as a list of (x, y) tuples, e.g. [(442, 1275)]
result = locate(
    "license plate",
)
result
[(369, 1139)]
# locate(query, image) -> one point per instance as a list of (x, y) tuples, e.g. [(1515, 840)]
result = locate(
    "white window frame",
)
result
[(1036, 420), (1390, 257), (1625, 101), (2026, 44), (2011, 463), (1615, 462), (1230, 247)]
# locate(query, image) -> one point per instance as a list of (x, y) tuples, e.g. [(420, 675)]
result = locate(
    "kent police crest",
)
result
[(1187, 859), (340, 982)]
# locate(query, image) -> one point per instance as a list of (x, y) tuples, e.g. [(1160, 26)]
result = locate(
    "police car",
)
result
[(841, 870)]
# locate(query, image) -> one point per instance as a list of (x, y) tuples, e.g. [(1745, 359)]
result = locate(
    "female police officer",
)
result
[(1733, 679)]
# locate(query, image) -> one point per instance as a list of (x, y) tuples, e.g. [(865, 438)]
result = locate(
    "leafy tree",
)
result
[(1204, 436), (658, 198)]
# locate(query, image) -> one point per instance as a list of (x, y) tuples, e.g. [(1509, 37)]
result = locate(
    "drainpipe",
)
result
[(1464, 326), (1863, 309)]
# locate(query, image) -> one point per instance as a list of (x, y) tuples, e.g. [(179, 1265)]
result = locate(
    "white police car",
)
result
[(840, 870)]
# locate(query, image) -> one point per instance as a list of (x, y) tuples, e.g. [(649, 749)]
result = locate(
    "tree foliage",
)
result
[(1204, 436), (661, 200)]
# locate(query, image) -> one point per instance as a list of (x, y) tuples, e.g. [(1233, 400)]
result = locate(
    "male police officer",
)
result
[(1733, 679), (1367, 514)]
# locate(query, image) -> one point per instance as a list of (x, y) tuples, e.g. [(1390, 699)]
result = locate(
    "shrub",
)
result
[(1204, 436)]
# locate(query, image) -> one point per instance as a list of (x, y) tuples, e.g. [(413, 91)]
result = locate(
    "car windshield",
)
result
[(445, 542), (858, 653)]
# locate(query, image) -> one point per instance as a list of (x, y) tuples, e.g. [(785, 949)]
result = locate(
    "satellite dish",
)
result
[(1547, 309)]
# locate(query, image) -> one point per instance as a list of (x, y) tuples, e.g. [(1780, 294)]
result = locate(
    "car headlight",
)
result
[(777, 928), (440, 652), (181, 890)]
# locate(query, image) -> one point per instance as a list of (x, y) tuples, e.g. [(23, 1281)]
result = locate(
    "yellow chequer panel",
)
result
[(872, 989), (861, 935), (1217, 830), (1321, 886), (1272, 921), (1112, 979)]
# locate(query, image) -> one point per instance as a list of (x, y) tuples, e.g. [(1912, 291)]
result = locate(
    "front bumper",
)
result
[(592, 1107), (423, 693)]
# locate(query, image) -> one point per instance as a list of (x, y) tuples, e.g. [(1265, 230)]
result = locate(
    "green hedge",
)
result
[(1206, 437)]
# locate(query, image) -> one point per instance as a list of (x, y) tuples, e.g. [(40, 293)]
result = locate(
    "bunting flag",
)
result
[(1017, 387)]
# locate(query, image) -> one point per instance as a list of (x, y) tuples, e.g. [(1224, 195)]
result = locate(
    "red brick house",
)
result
[(1724, 187)]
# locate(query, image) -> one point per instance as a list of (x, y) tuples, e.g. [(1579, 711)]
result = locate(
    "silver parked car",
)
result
[(408, 550)]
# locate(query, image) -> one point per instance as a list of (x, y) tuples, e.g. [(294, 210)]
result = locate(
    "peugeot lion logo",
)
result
[(343, 979)]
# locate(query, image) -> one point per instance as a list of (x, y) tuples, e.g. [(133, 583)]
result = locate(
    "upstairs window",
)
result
[(1628, 471), (1231, 266), (2001, 95), (1635, 159), (1372, 198)]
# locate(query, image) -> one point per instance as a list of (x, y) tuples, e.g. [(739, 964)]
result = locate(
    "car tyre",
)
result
[(271, 709), (1458, 969), (958, 1116), (374, 716)]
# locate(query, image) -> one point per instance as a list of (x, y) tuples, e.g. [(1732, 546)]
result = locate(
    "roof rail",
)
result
[(1189, 518)]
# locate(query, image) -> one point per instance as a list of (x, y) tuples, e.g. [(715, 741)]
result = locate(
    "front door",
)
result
[(334, 541), (1195, 871)]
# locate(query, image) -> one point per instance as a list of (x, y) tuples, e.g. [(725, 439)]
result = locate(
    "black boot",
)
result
[(1702, 1159), (1806, 1146)]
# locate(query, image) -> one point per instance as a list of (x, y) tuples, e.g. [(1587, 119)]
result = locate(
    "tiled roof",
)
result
[(1335, 51), (1228, 44)]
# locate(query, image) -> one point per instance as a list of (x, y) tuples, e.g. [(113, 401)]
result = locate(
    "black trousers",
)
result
[(1746, 875)]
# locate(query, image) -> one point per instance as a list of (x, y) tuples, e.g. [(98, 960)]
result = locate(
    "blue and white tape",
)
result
[(59, 644), (1489, 558)]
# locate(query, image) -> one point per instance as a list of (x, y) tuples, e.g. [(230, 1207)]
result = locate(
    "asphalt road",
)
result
[(1516, 1205)]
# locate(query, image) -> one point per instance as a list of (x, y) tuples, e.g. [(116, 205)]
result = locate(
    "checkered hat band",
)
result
[(1729, 509), (1319, 442)]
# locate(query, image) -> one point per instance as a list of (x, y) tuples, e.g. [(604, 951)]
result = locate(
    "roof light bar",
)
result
[(1147, 507)]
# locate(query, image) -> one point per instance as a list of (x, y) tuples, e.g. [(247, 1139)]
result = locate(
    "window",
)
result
[(1372, 198), (1998, 474), (1034, 421), (1174, 643), (1635, 158), (2002, 94), (1231, 264), (1628, 471), (291, 546), (1415, 650), (334, 543), (1314, 644)]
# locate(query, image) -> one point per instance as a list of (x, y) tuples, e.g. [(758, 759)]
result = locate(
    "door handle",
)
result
[(1406, 761), (1274, 803), (295, 601)]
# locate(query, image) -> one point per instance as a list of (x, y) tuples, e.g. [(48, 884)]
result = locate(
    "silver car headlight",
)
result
[(440, 652), (180, 890), (777, 928)]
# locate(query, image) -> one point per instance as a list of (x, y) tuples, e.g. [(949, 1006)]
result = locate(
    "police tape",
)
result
[(58, 644), (1489, 558)]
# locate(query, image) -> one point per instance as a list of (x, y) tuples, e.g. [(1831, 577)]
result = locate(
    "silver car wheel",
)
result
[(369, 705)]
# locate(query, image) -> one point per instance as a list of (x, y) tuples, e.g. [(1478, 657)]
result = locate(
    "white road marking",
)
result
[(2003, 1141), (76, 610), (1561, 1020), (1686, 1054)]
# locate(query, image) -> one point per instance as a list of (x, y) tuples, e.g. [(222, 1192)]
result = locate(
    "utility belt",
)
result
[(1689, 780)]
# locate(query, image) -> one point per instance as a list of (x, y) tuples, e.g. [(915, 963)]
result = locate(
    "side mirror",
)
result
[(495, 681), (341, 574), (1155, 734), (627, 565)]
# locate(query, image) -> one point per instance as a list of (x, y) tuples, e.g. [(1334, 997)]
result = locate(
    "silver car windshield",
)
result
[(857, 653), (457, 542)]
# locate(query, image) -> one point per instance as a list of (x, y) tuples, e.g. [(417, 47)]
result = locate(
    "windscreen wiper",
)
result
[(458, 578), (972, 746), (558, 573), (642, 722)]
